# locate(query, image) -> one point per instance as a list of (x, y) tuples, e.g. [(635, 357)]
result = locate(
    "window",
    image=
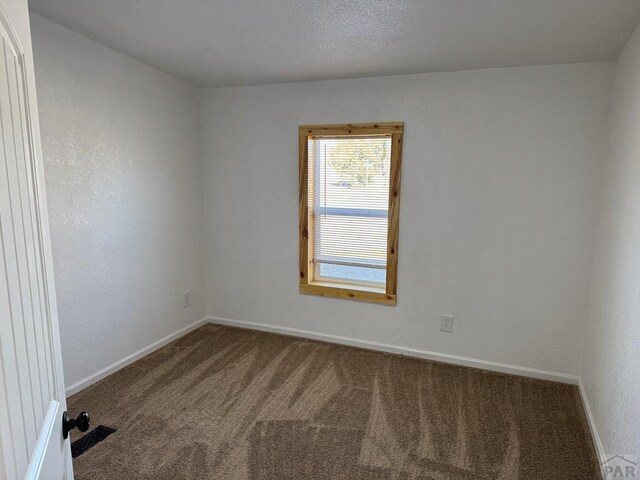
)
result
[(349, 209)]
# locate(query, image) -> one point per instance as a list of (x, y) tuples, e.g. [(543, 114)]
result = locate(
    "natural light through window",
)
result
[(349, 191), (349, 204)]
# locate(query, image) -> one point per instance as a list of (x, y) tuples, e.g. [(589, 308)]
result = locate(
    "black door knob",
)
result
[(82, 423)]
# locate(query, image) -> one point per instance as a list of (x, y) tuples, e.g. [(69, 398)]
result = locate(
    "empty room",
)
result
[(320, 240)]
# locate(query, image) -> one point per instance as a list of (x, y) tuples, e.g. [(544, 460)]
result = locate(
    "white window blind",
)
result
[(349, 206)]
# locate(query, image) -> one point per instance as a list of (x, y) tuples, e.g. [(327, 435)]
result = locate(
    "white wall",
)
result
[(499, 185), (500, 180), (122, 164), (611, 365)]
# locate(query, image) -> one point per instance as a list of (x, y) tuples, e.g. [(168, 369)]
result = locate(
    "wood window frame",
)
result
[(388, 295)]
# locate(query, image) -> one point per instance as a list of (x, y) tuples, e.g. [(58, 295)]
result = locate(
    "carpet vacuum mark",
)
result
[(233, 404)]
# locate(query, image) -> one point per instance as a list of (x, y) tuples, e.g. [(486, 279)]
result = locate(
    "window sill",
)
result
[(334, 290)]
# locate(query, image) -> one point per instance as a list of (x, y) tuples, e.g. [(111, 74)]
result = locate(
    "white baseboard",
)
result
[(602, 456), (411, 352), (143, 352)]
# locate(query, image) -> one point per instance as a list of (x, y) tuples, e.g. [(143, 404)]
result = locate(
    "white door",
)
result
[(32, 398)]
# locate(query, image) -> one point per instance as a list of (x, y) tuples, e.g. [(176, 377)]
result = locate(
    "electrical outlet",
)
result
[(446, 323), (186, 299)]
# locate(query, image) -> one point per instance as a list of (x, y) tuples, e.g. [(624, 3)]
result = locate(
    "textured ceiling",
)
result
[(248, 42)]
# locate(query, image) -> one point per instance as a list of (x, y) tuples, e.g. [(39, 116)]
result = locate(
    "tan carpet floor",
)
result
[(233, 404)]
